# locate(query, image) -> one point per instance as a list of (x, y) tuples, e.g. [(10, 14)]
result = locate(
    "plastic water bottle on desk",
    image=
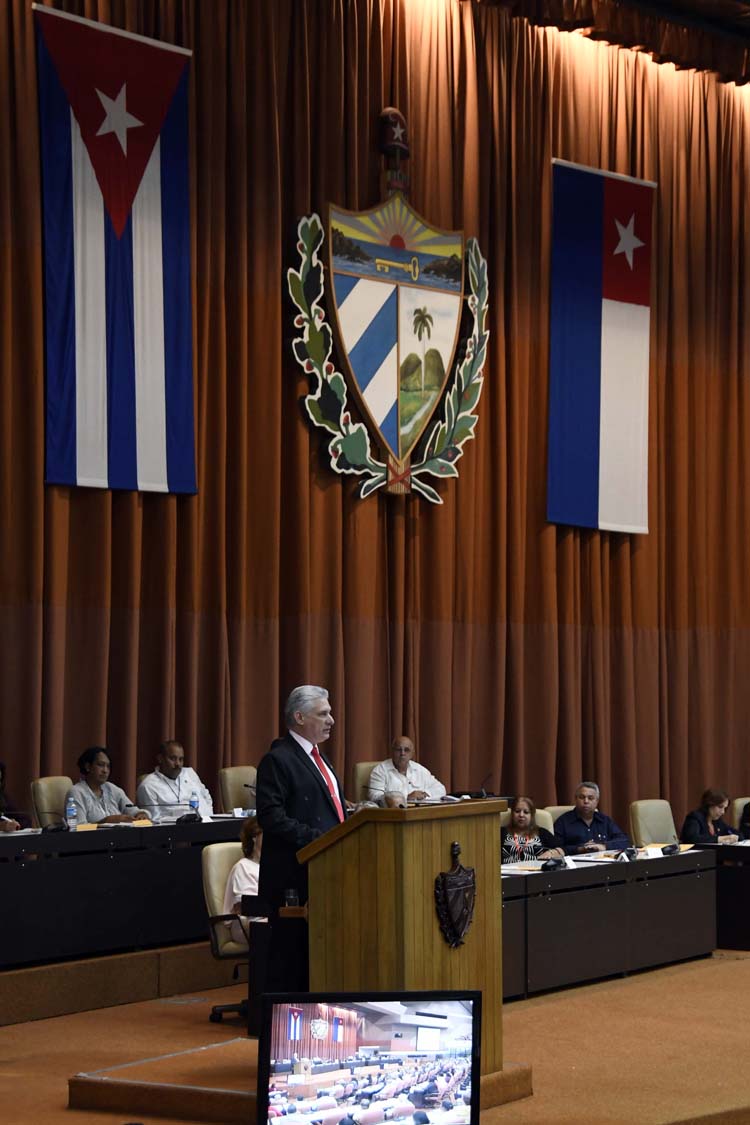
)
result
[(71, 815), (194, 802)]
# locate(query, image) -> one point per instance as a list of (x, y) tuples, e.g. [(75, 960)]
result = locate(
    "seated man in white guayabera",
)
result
[(399, 779), (165, 794)]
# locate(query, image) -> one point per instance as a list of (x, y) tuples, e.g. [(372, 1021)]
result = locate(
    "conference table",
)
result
[(732, 894), (116, 888), (604, 919)]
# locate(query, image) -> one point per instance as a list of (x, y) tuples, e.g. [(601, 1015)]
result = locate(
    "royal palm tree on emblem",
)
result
[(422, 327)]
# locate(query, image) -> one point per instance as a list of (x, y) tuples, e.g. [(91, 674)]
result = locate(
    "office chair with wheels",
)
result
[(362, 771), (557, 810), (543, 819), (738, 806), (233, 782), (48, 799), (652, 822), (217, 860)]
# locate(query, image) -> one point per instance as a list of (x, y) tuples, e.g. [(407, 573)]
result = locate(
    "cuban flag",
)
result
[(599, 349), (116, 210), (294, 1023), (338, 1029)]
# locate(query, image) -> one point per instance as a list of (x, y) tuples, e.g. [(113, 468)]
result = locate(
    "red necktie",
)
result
[(327, 778)]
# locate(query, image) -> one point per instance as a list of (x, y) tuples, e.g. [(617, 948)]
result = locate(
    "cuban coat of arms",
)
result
[(396, 294)]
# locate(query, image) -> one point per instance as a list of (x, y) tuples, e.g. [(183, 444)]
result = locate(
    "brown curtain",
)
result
[(507, 647), (306, 1047)]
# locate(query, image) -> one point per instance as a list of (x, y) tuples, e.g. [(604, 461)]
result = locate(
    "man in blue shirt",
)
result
[(585, 829)]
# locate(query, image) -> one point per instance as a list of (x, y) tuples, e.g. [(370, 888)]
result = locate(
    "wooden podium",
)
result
[(371, 910)]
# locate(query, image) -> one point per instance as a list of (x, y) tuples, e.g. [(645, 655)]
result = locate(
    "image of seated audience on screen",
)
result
[(410, 1058)]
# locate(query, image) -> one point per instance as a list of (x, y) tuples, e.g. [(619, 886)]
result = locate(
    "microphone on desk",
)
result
[(61, 826), (477, 794)]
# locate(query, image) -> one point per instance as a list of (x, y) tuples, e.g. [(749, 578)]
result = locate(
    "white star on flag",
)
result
[(398, 131), (117, 119), (628, 241)]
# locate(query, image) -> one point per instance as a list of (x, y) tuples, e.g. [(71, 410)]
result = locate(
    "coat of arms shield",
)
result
[(396, 286)]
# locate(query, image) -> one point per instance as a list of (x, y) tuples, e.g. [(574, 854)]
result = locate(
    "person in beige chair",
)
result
[(399, 779), (97, 800)]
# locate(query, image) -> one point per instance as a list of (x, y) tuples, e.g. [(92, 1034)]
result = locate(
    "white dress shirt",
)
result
[(166, 798), (385, 778)]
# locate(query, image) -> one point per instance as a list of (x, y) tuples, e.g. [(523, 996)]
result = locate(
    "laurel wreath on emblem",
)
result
[(327, 404), (318, 1029)]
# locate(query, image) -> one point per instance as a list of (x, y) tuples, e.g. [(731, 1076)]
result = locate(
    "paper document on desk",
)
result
[(595, 857)]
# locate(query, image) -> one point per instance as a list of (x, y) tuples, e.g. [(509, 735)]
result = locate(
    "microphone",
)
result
[(476, 794), (61, 826)]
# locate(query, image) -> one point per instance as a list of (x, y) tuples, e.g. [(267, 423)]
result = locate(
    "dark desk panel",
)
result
[(576, 935), (672, 914), (82, 893), (514, 935), (732, 894), (603, 920)]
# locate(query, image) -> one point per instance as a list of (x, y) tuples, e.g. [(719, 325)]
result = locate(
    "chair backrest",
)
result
[(738, 807), (232, 782), (362, 771), (48, 799), (217, 860), (651, 822), (557, 810), (543, 819)]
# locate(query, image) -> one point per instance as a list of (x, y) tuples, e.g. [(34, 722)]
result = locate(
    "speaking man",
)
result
[(298, 795), (165, 794), (298, 798), (399, 779)]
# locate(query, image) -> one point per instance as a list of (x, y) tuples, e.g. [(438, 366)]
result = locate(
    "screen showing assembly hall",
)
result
[(365, 1059)]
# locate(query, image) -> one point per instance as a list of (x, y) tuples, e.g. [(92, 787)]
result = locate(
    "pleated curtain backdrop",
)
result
[(513, 651)]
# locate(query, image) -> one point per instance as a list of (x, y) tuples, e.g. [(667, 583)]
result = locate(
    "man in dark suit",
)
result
[(298, 798)]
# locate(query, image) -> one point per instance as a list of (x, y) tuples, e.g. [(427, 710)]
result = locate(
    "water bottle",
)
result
[(194, 802), (71, 814)]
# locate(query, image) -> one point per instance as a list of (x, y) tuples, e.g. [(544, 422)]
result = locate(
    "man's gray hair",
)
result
[(588, 785), (302, 699)]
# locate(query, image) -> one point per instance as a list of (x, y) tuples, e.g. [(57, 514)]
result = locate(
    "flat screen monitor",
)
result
[(366, 1058)]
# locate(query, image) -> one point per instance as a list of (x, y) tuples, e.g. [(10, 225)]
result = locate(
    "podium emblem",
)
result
[(455, 894)]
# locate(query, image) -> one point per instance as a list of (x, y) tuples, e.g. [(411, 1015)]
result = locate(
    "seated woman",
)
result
[(705, 825), (523, 839), (243, 879), (97, 800)]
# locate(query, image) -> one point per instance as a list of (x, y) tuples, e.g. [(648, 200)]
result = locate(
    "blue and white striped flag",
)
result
[(116, 206)]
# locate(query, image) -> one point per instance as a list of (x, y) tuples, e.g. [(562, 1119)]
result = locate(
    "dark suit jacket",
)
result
[(695, 829), (294, 807)]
